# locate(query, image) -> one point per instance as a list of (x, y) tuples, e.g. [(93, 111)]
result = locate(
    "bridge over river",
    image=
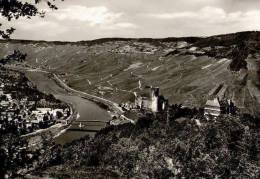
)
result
[(88, 126), (91, 117)]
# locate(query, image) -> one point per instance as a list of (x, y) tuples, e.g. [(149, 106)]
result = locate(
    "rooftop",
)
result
[(213, 103)]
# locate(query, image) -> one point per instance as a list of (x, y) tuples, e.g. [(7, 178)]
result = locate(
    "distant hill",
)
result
[(186, 69)]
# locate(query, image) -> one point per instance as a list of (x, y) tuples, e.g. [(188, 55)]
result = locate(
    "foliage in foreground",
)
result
[(226, 148), (14, 9), (16, 56)]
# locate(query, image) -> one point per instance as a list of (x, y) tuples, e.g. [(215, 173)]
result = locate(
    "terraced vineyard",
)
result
[(187, 70)]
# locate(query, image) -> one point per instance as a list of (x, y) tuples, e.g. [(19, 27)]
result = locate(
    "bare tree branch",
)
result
[(14, 9)]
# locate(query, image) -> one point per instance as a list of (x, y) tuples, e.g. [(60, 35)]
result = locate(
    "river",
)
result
[(90, 115)]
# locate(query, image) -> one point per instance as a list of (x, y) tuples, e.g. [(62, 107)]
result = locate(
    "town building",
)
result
[(216, 107), (220, 104), (212, 108)]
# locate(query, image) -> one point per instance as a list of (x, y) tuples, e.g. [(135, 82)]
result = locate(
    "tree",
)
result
[(14, 9), (16, 56), (59, 114)]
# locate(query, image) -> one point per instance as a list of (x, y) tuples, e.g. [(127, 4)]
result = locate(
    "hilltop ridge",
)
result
[(245, 35)]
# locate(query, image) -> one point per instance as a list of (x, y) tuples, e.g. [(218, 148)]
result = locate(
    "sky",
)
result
[(77, 20)]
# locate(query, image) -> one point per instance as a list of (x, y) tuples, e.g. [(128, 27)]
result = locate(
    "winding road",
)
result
[(90, 115)]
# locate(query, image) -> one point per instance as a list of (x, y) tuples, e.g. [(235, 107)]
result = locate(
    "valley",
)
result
[(185, 69), (96, 77)]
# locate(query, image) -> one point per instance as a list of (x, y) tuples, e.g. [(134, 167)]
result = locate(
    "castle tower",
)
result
[(155, 99)]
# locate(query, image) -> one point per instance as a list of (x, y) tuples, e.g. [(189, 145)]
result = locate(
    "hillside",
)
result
[(188, 70), (227, 148)]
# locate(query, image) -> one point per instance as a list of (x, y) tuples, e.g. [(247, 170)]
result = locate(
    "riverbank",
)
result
[(102, 102), (37, 138), (24, 109), (94, 112), (87, 110)]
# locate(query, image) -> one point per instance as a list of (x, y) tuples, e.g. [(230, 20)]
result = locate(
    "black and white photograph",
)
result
[(129, 89)]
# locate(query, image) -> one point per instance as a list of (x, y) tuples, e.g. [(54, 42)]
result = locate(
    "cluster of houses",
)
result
[(29, 111)]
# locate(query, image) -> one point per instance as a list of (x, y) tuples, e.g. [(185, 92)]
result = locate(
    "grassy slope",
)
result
[(183, 77)]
